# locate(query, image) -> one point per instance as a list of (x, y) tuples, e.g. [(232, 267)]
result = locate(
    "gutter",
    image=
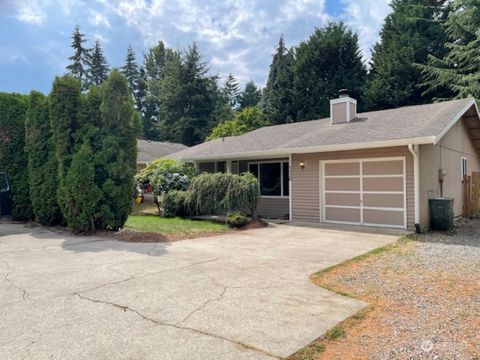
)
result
[(414, 150)]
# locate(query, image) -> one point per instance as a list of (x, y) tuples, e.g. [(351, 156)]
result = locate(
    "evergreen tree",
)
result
[(81, 192), (64, 106), (97, 66), (410, 32), (232, 91), (250, 96), (459, 69), (116, 154), (131, 72), (278, 102), (327, 62), (42, 164), (79, 59), (154, 61), (13, 158)]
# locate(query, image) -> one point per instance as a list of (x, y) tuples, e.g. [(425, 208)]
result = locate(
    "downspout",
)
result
[(290, 196), (416, 184)]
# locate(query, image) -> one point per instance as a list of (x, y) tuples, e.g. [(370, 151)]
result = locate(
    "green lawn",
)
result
[(178, 226)]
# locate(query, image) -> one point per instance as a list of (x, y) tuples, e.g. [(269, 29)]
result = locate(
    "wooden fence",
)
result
[(471, 195)]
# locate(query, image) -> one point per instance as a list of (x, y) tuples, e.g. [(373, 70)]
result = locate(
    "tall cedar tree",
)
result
[(250, 96), (117, 152), (130, 71), (81, 192), (80, 57), (411, 32), (278, 102), (459, 69), (327, 62), (98, 68), (64, 105), (13, 158), (232, 91), (42, 164), (187, 102)]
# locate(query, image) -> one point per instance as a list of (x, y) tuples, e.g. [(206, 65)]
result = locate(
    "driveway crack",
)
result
[(177, 326), (12, 284)]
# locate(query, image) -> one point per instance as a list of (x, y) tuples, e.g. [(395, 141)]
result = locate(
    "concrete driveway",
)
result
[(245, 295)]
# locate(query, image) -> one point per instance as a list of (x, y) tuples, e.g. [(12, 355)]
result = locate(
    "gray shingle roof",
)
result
[(410, 122), (152, 150)]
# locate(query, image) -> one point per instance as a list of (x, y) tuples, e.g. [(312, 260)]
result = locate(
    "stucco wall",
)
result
[(306, 182), (446, 155)]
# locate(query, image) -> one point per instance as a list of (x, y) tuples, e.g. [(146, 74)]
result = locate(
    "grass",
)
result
[(178, 226)]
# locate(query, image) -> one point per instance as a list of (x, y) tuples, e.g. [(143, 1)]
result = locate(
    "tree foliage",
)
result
[(411, 32), (98, 68), (79, 60), (244, 121), (13, 158), (278, 102), (459, 69), (250, 96), (42, 164), (328, 61), (231, 89)]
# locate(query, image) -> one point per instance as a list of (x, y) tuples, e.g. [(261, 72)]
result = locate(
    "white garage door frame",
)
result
[(322, 177)]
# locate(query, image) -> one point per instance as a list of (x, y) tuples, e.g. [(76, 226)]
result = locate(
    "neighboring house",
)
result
[(377, 168), (152, 150)]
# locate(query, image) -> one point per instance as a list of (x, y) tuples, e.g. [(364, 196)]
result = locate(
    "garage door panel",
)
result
[(342, 199), (394, 167), (383, 200), (383, 184), (344, 168), (342, 214), (382, 217), (342, 184)]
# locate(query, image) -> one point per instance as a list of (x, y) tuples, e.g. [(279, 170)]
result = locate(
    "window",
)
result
[(273, 177), (221, 167), (464, 167)]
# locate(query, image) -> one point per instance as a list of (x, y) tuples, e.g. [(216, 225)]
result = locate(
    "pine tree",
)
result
[(13, 158), (98, 68), (278, 103), (42, 164), (459, 69), (154, 61), (116, 153), (328, 61), (250, 96), (232, 91), (79, 59), (410, 32), (131, 72)]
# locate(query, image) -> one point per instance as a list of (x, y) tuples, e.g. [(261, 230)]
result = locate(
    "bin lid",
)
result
[(441, 199)]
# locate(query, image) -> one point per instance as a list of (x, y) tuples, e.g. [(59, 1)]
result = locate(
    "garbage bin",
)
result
[(441, 213)]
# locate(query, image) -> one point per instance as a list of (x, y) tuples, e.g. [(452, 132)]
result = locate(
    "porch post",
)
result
[(229, 166), (290, 195)]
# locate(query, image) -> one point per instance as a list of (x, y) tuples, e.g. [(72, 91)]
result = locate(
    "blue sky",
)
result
[(237, 36)]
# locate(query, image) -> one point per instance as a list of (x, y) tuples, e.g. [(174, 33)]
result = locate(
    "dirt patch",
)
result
[(424, 301), (255, 223), (152, 237)]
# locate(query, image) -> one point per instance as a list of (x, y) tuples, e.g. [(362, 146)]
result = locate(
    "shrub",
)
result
[(237, 220), (223, 193), (13, 158), (176, 203)]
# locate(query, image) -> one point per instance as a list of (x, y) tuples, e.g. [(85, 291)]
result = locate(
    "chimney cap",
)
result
[(343, 93)]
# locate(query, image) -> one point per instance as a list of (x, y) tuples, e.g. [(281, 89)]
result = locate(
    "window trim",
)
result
[(281, 162), (463, 167)]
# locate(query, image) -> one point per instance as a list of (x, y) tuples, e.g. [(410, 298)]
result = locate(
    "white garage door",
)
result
[(364, 192)]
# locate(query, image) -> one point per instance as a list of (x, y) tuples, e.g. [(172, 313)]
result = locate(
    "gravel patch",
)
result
[(424, 296)]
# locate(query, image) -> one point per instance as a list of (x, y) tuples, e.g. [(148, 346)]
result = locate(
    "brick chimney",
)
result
[(343, 109)]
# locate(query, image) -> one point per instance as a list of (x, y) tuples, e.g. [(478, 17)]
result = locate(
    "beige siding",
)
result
[(446, 155), (306, 182), (339, 113), (272, 207)]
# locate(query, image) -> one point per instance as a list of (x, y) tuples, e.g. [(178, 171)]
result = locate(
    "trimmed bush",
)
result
[(224, 193), (237, 220), (13, 158), (176, 203)]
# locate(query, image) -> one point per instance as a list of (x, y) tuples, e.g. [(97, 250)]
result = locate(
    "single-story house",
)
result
[(375, 168), (152, 150)]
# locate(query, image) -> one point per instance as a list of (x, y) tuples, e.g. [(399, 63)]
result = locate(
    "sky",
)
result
[(234, 36)]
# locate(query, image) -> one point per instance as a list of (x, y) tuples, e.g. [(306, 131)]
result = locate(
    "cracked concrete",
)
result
[(245, 295)]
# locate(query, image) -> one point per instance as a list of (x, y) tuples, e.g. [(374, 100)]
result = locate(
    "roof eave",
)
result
[(312, 149)]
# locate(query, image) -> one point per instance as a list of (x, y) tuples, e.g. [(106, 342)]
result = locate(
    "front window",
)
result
[(273, 177)]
